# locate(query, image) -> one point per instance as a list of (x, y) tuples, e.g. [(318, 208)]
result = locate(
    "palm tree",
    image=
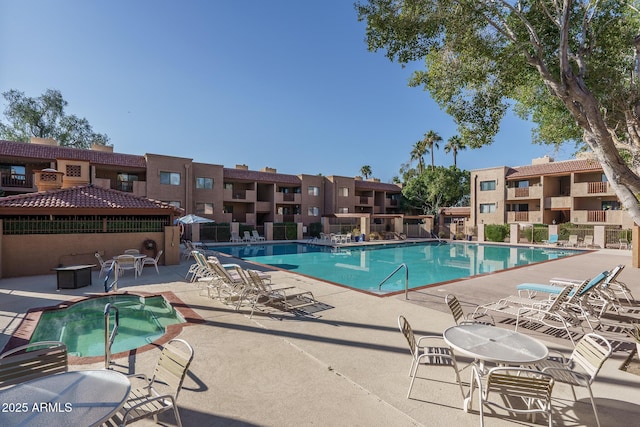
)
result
[(365, 171), (430, 142), (417, 153), (454, 144)]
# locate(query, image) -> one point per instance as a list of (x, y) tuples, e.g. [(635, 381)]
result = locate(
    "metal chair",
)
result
[(150, 400), (426, 354), (32, 361), (460, 318), (152, 261), (532, 387), (104, 265), (589, 355)]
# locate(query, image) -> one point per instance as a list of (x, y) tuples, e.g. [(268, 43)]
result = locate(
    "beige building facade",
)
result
[(546, 192)]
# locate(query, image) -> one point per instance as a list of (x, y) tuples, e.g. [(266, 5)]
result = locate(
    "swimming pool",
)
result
[(81, 325), (364, 267)]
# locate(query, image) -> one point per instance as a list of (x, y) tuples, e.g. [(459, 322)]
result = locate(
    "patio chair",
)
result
[(573, 240), (31, 361), (257, 237), (235, 238), (426, 350), (126, 262), (581, 368), (529, 387), (460, 318), (153, 261), (553, 240), (131, 251), (104, 265), (160, 392), (247, 237), (587, 242)]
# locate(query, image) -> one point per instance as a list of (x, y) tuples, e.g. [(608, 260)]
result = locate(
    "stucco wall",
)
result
[(28, 255)]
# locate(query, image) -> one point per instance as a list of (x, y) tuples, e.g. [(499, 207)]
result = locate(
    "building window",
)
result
[(610, 205), (487, 207), (125, 181), (228, 209), (343, 210), (74, 171), (174, 203), (314, 191), (313, 211), (170, 178), (206, 183), (203, 208), (343, 191), (487, 185), (522, 184), (228, 185)]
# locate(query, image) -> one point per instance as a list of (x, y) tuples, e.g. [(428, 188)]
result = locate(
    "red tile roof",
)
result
[(85, 197), (49, 152), (554, 168), (377, 186), (270, 177)]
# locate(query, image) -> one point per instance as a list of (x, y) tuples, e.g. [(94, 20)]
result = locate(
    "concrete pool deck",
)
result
[(347, 364)]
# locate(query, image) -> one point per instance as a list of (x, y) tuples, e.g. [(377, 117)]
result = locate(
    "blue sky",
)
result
[(287, 84)]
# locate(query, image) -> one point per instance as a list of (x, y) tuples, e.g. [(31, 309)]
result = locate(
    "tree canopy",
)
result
[(44, 117), (570, 66), (435, 188)]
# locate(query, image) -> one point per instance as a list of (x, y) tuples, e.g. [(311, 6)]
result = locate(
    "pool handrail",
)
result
[(109, 338), (406, 279)]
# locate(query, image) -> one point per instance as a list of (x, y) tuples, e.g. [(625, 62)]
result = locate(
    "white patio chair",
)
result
[(526, 386), (152, 261), (104, 265), (131, 251), (581, 368), (460, 318), (257, 237), (160, 392), (126, 262), (426, 350)]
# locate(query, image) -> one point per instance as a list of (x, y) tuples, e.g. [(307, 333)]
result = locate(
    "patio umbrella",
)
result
[(193, 219)]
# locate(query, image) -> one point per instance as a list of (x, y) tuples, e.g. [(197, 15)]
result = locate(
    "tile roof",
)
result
[(554, 168), (377, 186), (48, 153), (270, 177), (84, 197)]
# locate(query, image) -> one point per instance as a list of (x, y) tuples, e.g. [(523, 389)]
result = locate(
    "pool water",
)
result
[(364, 267), (81, 325)]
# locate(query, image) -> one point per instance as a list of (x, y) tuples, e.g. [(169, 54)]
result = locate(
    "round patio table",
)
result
[(493, 344), (78, 398)]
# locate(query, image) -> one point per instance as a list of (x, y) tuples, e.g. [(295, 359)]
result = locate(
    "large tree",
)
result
[(44, 117), (430, 142), (435, 188), (454, 144), (571, 66)]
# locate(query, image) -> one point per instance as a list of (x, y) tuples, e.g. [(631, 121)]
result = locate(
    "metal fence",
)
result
[(83, 224)]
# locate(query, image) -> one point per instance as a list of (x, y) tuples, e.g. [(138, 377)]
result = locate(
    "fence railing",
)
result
[(75, 225)]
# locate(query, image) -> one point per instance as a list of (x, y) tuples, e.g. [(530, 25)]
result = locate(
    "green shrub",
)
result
[(496, 232), (315, 228)]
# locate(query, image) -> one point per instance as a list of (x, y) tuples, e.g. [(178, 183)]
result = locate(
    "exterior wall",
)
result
[(334, 201), (69, 181), (170, 193), (496, 197), (310, 201), (28, 255), (202, 195)]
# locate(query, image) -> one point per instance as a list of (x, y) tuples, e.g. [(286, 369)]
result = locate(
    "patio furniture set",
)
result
[(516, 372)]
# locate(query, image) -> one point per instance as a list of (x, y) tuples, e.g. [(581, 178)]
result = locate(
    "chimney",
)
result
[(268, 169), (48, 179), (243, 167), (44, 141), (542, 160), (102, 147)]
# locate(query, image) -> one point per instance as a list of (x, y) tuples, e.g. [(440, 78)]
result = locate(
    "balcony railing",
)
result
[(522, 192), (597, 216), (521, 216), (17, 181), (597, 187)]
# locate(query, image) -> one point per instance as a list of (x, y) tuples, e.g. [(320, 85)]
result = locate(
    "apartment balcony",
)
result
[(611, 217), (524, 193), (18, 183), (364, 201), (557, 203), (295, 198), (287, 218), (391, 203), (586, 189), (239, 195), (531, 216), (264, 206)]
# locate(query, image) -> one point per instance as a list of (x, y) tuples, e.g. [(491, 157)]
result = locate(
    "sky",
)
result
[(286, 84)]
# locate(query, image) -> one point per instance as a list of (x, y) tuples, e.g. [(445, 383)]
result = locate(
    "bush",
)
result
[(315, 228), (496, 232)]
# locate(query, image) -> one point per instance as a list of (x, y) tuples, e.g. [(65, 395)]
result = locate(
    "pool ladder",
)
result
[(109, 337), (406, 279)]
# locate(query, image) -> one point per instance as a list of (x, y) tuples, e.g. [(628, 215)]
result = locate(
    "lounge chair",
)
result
[(587, 242), (235, 238), (257, 237), (533, 288), (290, 297), (553, 240), (573, 241), (581, 368), (533, 387), (247, 237), (427, 350)]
